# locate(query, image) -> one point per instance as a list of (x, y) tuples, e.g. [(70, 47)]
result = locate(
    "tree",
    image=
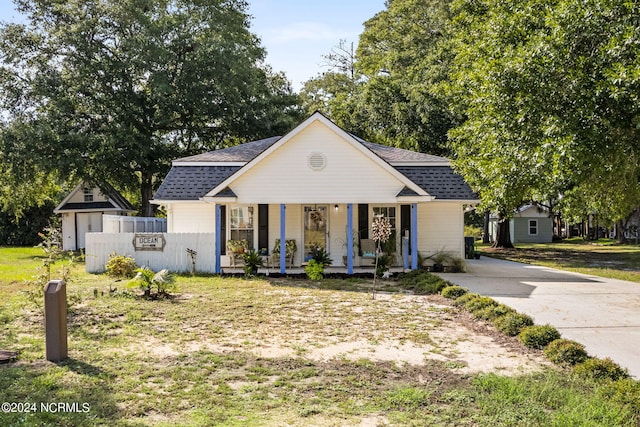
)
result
[(116, 89), (389, 91), (404, 54), (549, 92)]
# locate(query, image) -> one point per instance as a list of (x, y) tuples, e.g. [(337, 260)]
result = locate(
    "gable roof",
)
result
[(242, 153), (115, 201), (350, 139), (210, 174), (439, 181), (192, 182)]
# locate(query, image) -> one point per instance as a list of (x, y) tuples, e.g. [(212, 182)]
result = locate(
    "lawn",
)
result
[(235, 352), (602, 258)]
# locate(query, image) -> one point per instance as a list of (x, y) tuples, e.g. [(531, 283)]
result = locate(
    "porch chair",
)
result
[(368, 247), (236, 250), (290, 252)]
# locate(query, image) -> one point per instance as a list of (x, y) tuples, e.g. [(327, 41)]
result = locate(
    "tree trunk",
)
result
[(485, 228), (503, 235), (146, 190), (620, 228)]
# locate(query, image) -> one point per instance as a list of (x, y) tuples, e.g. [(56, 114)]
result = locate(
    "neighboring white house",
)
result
[(82, 212), (530, 224), (321, 187)]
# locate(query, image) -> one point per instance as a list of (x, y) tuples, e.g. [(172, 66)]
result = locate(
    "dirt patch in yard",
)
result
[(325, 326)]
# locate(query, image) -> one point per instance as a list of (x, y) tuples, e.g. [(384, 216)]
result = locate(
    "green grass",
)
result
[(194, 360), (18, 264), (604, 258)]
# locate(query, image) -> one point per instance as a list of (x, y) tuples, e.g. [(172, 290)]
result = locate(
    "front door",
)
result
[(315, 229)]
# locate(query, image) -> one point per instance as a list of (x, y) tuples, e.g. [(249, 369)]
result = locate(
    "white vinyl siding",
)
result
[(441, 227), (79, 196), (196, 217), (348, 176)]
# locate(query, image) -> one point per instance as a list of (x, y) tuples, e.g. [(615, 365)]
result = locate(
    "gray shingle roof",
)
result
[(247, 151), (396, 155), (239, 153), (439, 181), (192, 182), (87, 206), (118, 198)]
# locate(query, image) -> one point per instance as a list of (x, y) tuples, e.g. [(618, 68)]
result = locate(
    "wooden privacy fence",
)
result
[(153, 250)]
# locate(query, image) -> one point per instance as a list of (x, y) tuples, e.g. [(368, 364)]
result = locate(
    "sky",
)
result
[(295, 33)]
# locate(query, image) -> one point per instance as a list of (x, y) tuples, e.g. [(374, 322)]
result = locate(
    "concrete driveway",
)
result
[(603, 314)]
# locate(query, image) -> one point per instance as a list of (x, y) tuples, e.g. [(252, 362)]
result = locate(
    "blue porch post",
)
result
[(218, 249), (414, 236), (350, 238), (283, 242)]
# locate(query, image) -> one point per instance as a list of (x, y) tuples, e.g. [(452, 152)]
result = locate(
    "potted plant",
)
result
[(440, 258), (457, 264), (252, 261), (318, 262)]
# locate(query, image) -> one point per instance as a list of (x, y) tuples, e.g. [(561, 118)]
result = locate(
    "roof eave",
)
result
[(213, 199), (415, 199), (204, 163)]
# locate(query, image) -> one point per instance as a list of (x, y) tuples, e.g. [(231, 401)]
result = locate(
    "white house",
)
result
[(318, 186), (82, 212)]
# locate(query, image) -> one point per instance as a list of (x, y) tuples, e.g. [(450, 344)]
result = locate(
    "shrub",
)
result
[(624, 392), (422, 282), (430, 286), (565, 352), (512, 323), (601, 370), (464, 299), (252, 261), (453, 292), (121, 266), (493, 312), (314, 270), (480, 303), (154, 285), (538, 336), (320, 256)]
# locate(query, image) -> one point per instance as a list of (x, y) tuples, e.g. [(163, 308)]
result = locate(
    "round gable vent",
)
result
[(317, 161)]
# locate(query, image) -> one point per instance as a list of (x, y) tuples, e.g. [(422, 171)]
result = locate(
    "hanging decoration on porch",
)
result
[(380, 231)]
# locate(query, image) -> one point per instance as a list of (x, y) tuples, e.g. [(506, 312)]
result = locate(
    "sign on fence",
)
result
[(149, 242), (176, 255)]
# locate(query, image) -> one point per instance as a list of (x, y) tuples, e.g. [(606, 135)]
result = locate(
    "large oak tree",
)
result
[(115, 89), (550, 91)]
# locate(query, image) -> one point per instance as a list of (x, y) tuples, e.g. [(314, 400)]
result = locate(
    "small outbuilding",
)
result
[(82, 211), (530, 224)]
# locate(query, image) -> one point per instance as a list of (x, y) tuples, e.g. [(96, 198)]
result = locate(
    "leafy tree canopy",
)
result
[(113, 90), (387, 91), (550, 91)]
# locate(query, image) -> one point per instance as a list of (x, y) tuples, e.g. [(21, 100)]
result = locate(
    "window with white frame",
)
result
[(533, 227), (241, 224), (88, 194), (388, 212)]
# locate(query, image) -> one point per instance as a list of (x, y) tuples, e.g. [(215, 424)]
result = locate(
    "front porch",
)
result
[(295, 271), (284, 235)]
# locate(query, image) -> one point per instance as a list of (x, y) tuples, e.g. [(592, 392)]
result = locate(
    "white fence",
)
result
[(173, 257), (133, 224)]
